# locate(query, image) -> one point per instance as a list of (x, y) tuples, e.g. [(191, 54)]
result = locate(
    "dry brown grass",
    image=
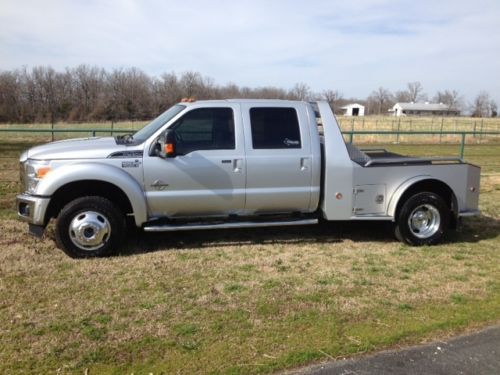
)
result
[(366, 123), (433, 124), (410, 123)]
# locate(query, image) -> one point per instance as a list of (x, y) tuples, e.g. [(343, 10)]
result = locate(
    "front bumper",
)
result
[(32, 209)]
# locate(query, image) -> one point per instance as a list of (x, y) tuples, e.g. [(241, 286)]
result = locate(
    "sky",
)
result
[(351, 46)]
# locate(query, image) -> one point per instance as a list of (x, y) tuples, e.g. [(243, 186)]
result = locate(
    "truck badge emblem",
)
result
[(290, 142), (159, 185), (131, 164)]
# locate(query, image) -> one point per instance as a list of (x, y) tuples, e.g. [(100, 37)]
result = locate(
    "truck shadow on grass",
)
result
[(472, 230), (475, 229)]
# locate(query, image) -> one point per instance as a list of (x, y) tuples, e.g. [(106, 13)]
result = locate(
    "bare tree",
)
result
[(231, 90), (9, 96), (193, 85), (482, 105), (493, 108), (415, 92), (268, 92), (53, 91), (91, 93), (167, 91), (300, 91), (380, 100), (332, 97), (402, 96), (451, 98), (30, 103), (88, 83)]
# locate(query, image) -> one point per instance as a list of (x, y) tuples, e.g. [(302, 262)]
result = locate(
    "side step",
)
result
[(228, 225)]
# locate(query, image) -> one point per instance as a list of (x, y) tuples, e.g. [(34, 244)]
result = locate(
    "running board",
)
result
[(242, 224)]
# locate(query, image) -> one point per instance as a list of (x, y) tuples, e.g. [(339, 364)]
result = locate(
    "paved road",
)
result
[(477, 354)]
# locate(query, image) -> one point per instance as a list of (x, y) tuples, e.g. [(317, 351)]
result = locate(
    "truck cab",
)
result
[(233, 158)]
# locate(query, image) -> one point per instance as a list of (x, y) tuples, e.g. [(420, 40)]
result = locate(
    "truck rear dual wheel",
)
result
[(90, 227), (423, 220)]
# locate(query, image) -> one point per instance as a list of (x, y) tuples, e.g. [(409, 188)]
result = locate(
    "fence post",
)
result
[(52, 132), (462, 146), (399, 127), (351, 136), (441, 131)]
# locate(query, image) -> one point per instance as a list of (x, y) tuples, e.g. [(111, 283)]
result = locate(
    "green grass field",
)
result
[(242, 301)]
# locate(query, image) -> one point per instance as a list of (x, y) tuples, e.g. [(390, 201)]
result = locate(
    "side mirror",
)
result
[(166, 146)]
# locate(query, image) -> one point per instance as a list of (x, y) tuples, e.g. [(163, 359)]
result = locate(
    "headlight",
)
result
[(35, 171)]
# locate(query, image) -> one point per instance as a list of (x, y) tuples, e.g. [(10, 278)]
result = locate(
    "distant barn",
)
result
[(423, 109), (354, 109)]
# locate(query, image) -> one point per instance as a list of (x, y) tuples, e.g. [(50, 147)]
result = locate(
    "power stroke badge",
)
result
[(131, 164)]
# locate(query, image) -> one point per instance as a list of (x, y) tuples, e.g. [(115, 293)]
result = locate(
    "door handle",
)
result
[(237, 165), (305, 164)]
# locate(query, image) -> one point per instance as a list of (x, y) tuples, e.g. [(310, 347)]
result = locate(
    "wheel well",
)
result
[(77, 189), (433, 186)]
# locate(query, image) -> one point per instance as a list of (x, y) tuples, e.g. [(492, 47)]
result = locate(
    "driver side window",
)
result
[(205, 129)]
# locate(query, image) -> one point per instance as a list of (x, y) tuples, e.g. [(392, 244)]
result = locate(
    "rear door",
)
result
[(278, 158)]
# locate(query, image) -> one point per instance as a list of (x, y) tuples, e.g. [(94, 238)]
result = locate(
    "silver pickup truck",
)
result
[(235, 164)]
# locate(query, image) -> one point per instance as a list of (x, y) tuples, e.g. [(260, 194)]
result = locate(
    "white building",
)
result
[(423, 109), (354, 109)]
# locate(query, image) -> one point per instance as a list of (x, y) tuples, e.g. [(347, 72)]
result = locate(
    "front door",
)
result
[(207, 177)]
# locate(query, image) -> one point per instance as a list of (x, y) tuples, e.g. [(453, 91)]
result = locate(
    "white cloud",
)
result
[(351, 46)]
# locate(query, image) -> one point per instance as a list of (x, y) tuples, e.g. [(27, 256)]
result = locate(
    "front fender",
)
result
[(400, 190), (101, 172)]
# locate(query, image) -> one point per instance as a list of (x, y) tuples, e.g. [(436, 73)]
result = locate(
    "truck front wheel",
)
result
[(89, 227), (423, 220)]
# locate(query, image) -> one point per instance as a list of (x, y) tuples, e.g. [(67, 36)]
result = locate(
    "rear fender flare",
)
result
[(400, 190)]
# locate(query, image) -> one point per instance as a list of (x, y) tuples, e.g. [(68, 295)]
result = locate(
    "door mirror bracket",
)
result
[(165, 147)]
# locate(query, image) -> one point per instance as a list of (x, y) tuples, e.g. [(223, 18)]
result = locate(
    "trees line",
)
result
[(90, 93)]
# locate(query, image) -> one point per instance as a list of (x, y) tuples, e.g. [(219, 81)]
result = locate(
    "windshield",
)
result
[(148, 130)]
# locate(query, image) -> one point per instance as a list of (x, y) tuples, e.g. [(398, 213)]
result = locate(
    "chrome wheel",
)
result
[(89, 230), (424, 221)]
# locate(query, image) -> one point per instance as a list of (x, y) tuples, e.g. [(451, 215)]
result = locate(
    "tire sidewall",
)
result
[(98, 204), (403, 231)]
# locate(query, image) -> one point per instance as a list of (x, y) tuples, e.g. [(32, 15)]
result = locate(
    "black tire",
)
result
[(424, 219), (90, 227)]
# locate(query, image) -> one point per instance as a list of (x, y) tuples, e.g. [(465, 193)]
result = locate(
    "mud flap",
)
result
[(36, 230)]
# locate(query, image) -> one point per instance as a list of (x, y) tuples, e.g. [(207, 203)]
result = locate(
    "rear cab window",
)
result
[(275, 128)]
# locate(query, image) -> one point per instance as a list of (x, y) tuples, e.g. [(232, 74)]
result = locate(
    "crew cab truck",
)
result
[(235, 164)]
